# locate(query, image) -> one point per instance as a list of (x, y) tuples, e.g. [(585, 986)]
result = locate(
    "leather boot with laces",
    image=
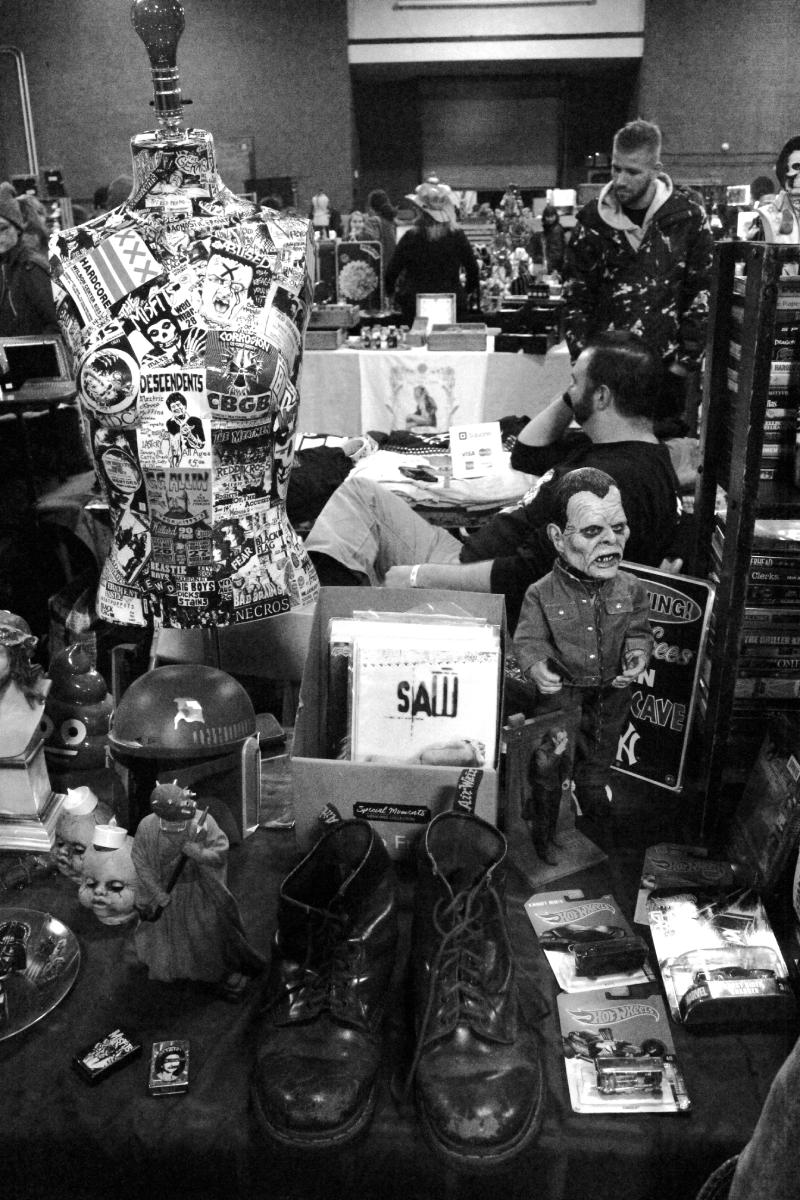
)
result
[(332, 959), (477, 1075)]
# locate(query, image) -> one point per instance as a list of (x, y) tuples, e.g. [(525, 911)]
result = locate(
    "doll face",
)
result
[(793, 172), (73, 836), (108, 885), (593, 539)]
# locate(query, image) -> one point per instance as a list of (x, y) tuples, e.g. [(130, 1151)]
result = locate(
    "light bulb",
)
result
[(160, 23)]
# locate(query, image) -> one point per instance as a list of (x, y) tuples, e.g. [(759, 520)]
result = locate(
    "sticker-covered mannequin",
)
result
[(184, 309)]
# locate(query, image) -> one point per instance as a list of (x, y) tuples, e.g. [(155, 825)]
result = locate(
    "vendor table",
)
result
[(331, 384), (63, 1139)]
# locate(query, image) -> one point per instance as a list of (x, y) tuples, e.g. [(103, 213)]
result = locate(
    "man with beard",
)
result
[(640, 258), (584, 632), (368, 535)]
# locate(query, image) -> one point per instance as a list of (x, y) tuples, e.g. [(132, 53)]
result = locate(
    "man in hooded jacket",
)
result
[(640, 259)]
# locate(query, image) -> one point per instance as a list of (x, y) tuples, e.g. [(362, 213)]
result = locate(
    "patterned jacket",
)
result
[(652, 280)]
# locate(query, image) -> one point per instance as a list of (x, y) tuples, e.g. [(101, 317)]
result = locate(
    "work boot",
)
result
[(332, 959), (477, 1075)]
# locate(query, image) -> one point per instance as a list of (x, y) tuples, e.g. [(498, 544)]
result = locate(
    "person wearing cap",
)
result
[(26, 297), (432, 255)]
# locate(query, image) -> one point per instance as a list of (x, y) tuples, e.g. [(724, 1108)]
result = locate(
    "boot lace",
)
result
[(326, 984), (458, 972)]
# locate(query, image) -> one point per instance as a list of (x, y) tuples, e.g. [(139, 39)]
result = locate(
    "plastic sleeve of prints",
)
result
[(412, 579)]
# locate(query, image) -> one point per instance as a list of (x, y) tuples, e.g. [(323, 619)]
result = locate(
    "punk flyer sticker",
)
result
[(103, 276), (241, 460), (254, 586), (241, 373), (284, 322), (118, 603), (160, 171), (115, 456), (130, 548), (108, 382), (229, 284), (180, 518), (174, 421), (162, 327)]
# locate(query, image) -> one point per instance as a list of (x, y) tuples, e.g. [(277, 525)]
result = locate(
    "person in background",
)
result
[(361, 227), (761, 188), (432, 255), (380, 207), (119, 190), (36, 234), (553, 241), (640, 258), (26, 297), (366, 535)]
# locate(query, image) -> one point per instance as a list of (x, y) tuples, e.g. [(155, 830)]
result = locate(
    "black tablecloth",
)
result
[(62, 1138)]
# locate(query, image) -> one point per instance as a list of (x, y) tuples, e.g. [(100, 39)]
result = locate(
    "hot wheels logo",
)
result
[(578, 911), (614, 1014)]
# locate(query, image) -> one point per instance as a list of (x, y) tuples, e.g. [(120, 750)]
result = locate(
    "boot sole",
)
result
[(461, 1160), (317, 1141)]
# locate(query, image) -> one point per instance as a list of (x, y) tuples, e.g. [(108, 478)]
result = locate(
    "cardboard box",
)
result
[(334, 316), (324, 339), (399, 800), (458, 337)]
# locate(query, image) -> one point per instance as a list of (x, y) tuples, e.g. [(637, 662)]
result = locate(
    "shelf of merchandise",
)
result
[(751, 287)]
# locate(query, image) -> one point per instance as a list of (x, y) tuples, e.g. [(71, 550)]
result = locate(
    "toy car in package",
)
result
[(587, 942), (619, 1054), (719, 959)]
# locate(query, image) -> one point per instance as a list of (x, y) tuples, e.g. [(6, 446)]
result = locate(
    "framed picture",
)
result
[(437, 308)]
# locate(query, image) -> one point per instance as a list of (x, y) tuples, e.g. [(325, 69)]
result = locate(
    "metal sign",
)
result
[(654, 742)]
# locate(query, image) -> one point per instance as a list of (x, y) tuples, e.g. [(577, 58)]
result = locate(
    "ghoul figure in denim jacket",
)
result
[(584, 635)]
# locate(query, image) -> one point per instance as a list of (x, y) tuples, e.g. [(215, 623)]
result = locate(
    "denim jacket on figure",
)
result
[(584, 628)]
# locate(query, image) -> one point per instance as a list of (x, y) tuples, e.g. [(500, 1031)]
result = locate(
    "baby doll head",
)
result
[(589, 528), (108, 879), (80, 815)]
